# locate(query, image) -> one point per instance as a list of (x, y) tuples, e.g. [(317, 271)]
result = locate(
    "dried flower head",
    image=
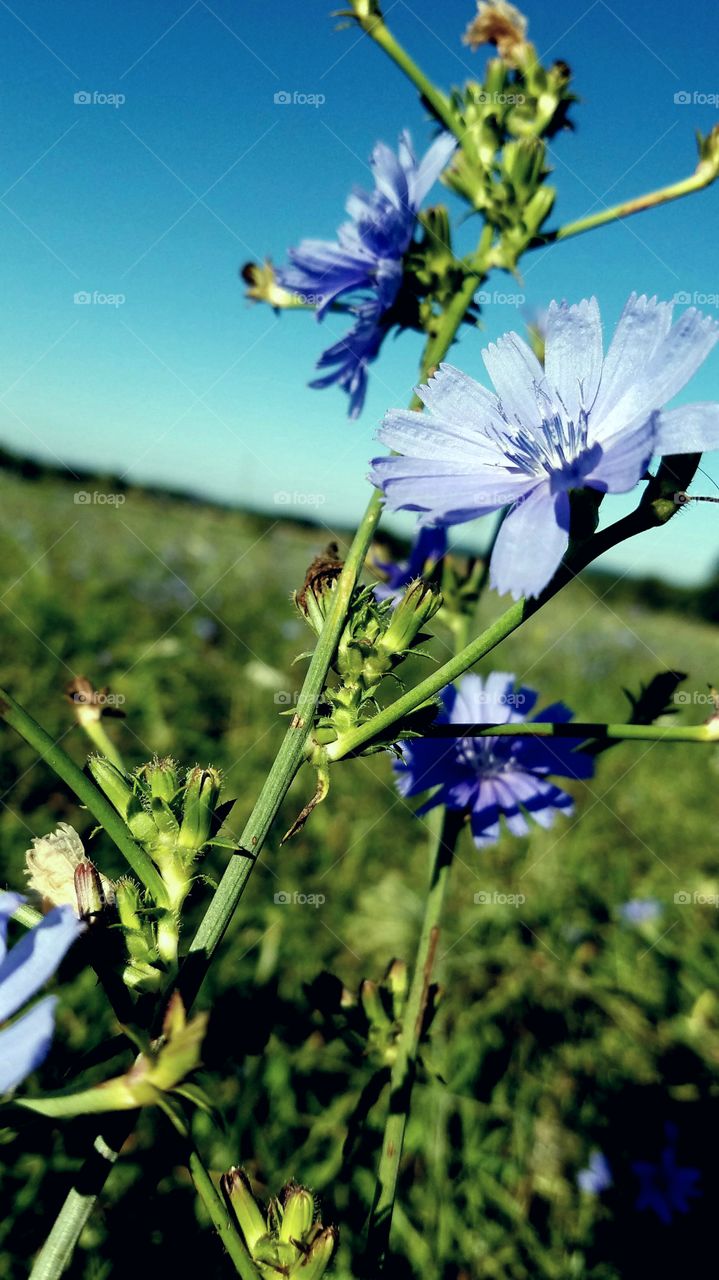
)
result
[(51, 864), (501, 24), (89, 703)]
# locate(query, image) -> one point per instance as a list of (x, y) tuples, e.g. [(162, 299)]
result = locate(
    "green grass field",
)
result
[(560, 1027)]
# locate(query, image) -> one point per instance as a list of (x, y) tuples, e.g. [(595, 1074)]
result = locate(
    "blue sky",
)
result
[(160, 199)]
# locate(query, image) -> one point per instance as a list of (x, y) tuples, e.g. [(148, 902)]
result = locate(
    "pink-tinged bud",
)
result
[(93, 892)]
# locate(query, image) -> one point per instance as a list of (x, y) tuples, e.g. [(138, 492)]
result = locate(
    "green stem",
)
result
[(374, 26), (405, 1064), (706, 733), (289, 759), (703, 176), (86, 792), (57, 1251), (221, 1220), (102, 742), (650, 513)]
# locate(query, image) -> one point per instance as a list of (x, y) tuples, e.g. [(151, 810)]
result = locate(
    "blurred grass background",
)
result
[(561, 1028)]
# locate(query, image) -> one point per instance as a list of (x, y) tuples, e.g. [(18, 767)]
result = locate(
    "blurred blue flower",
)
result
[(641, 910), (428, 548), (666, 1187), (366, 258), (23, 970), (581, 420), (493, 776), (597, 1176)]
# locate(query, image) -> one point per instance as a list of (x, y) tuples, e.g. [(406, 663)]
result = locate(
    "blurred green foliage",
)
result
[(560, 1029)]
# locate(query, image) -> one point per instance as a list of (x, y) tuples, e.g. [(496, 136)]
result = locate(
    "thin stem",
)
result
[(57, 1251), (221, 1220), (102, 742), (703, 176), (706, 733), (86, 792), (644, 517), (374, 26), (405, 1065)]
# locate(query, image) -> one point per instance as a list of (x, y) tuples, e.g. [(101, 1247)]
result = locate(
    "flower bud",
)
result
[(238, 1194), (93, 892), (137, 928), (202, 792), (299, 1212), (120, 791), (314, 1263), (397, 983), (418, 605), (161, 776)]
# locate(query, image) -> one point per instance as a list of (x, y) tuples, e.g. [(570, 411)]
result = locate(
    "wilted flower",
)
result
[(23, 970), (501, 24), (493, 777), (583, 420), (597, 1176), (364, 265), (51, 864), (427, 550), (666, 1187)]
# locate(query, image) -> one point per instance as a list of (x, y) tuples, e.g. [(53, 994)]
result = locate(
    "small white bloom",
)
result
[(51, 863)]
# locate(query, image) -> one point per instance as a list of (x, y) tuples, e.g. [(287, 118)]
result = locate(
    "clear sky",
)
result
[(160, 198)]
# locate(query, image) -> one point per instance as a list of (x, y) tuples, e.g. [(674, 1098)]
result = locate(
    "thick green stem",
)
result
[(86, 791), (405, 1065), (221, 1220)]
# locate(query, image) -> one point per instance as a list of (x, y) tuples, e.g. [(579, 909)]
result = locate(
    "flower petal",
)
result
[(624, 462), (430, 167), (447, 491), (642, 326), (694, 428), (416, 433), (516, 374), (573, 360), (24, 1044), (35, 958), (458, 399), (531, 543)]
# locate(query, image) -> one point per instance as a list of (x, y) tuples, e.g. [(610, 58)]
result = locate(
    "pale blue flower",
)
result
[(23, 970), (597, 1176), (641, 910), (582, 420), (428, 548)]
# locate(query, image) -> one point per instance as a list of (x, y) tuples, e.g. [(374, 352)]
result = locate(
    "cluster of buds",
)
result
[(370, 1020), (501, 166), (377, 637), (288, 1239), (174, 820)]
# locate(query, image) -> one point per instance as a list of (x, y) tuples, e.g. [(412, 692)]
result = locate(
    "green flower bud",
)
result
[(299, 1212), (120, 791), (418, 605), (374, 1009), (162, 777), (314, 1263), (137, 928), (202, 792), (238, 1194), (397, 982)]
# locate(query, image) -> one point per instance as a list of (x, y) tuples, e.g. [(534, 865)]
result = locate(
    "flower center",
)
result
[(557, 448)]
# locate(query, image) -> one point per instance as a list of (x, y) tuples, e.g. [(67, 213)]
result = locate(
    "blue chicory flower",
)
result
[(666, 1187), (428, 548), (364, 264), (23, 970), (584, 419), (640, 910), (493, 777), (597, 1176)]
